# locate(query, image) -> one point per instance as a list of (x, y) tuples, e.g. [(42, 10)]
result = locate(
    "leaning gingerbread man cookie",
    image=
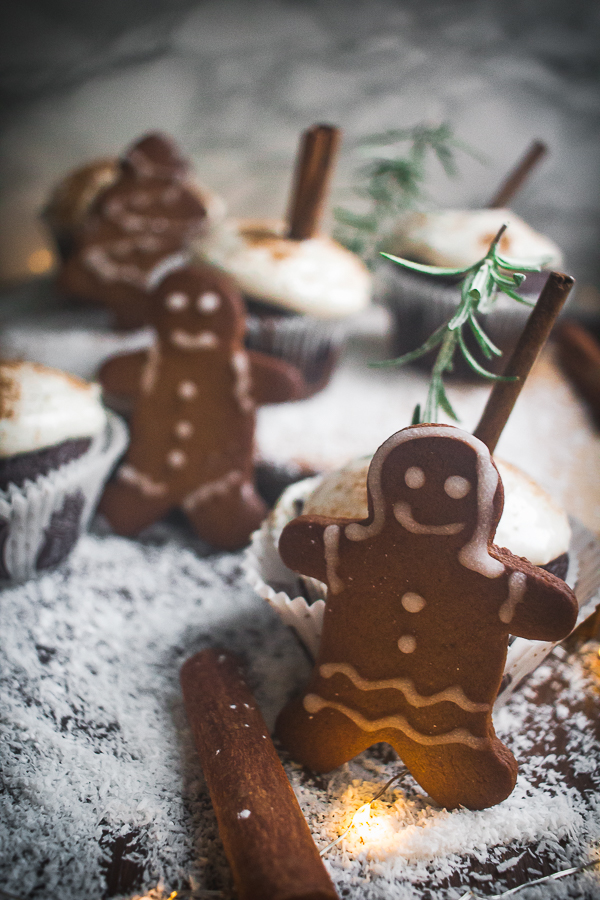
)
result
[(419, 609), (195, 393), (137, 230)]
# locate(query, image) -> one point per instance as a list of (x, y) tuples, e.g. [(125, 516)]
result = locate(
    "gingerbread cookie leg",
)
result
[(128, 510), (457, 775), (323, 740), (225, 512)]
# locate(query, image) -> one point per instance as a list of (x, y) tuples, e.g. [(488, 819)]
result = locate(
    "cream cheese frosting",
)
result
[(457, 238), (40, 407), (532, 524), (315, 276)]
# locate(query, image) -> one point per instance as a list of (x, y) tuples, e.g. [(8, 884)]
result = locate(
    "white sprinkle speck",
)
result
[(232, 706), (243, 814), (217, 752)]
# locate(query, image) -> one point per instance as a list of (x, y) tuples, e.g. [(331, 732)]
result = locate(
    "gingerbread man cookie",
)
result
[(195, 393), (138, 229), (419, 609)]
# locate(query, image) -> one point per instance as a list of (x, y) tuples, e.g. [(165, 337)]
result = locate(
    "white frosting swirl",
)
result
[(40, 407), (316, 276), (458, 238)]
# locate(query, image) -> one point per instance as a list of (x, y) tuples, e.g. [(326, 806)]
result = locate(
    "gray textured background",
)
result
[(237, 81)]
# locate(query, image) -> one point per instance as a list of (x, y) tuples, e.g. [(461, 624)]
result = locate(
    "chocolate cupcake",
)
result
[(299, 294), (57, 447), (420, 303)]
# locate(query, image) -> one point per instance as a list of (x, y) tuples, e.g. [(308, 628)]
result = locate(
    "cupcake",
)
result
[(456, 239), (299, 293), (300, 286), (532, 526), (58, 445)]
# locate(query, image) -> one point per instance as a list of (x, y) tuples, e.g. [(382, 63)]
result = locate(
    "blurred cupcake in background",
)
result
[(301, 287), (58, 445), (421, 303)]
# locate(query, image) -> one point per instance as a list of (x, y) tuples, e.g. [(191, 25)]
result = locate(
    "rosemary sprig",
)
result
[(393, 184), (481, 284)]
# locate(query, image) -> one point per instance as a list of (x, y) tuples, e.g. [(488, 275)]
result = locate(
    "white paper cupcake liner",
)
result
[(286, 591), (26, 511)]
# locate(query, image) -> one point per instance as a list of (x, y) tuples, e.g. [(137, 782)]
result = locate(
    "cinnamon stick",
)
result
[(504, 394), (579, 356), (518, 175), (314, 165), (265, 835)]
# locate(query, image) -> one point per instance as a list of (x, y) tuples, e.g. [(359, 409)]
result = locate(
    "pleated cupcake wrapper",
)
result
[(421, 305), (287, 592), (28, 509), (302, 340)]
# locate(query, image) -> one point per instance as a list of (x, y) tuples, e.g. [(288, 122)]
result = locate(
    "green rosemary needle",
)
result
[(480, 286)]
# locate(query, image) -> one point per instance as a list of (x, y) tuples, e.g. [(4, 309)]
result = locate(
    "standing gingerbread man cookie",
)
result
[(195, 393), (419, 609)]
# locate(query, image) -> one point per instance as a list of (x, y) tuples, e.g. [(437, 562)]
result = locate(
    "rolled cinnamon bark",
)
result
[(266, 837), (504, 394), (518, 176), (316, 158)]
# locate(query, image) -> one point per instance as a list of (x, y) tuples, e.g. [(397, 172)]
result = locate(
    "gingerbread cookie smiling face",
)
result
[(420, 605)]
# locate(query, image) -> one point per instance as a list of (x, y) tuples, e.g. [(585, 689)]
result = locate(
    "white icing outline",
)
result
[(212, 489), (331, 540), (475, 553), (243, 381), (150, 370), (142, 482), (517, 585), (203, 340), (406, 686), (314, 704), (403, 515)]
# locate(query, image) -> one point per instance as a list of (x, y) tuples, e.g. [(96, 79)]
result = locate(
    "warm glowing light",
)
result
[(40, 261), (362, 816)]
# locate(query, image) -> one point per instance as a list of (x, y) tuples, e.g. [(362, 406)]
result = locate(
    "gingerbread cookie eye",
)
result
[(208, 302), (414, 477), (177, 301), (457, 487)]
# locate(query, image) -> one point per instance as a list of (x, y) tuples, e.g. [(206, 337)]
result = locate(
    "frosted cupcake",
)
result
[(299, 294), (58, 445), (421, 303)]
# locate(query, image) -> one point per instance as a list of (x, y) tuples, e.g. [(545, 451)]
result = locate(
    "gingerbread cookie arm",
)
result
[(303, 545), (121, 375), (539, 606), (274, 380)]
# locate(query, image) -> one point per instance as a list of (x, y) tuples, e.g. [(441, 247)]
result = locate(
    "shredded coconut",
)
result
[(99, 762)]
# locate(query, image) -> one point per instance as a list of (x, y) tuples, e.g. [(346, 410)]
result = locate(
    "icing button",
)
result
[(176, 459), (208, 302), (412, 603), (407, 643), (176, 301), (414, 477), (183, 429), (187, 390)]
